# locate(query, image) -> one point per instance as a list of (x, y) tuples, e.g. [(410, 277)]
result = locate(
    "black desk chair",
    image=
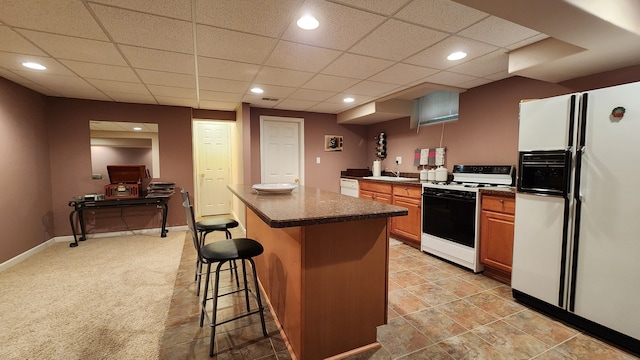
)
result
[(203, 228), (220, 252)]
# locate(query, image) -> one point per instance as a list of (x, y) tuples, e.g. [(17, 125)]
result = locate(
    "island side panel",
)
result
[(345, 281), (280, 272)]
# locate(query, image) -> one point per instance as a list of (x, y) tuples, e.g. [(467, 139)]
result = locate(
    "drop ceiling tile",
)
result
[(268, 18), (119, 86), (223, 44), (14, 42), (151, 59), (301, 57), (131, 98), (218, 105), (169, 8), (436, 55), (329, 83), (46, 15), (356, 66), (484, 65), (13, 61), (444, 15), (474, 83), (396, 40), (498, 32), (449, 78), (272, 91), (89, 94), (299, 105), (16, 78), (138, 29), (386, 7), (72, 48), (101, 71), (282, 77), (371, 88), (173, 92), (311, 95), (234, 86), (340, 26), (153, 77), (177, 101), (61, 83), (220, 96), (328, 108), (259, 101), (528, 41), (358, 99), (401, 74), (224, 69)]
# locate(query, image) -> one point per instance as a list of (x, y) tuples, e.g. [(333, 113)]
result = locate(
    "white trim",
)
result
[(69, 239)]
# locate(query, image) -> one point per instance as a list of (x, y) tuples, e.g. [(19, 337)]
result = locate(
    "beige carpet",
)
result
[(108, 298)]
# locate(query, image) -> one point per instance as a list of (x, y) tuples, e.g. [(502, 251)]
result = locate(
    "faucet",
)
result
[(397, 172)]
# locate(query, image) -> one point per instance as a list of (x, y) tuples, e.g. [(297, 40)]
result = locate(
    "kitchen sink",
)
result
[(390, 178)]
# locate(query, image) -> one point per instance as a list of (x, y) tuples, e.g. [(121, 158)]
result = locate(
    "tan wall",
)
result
[(71, 161), (325, 175), (25, 202)]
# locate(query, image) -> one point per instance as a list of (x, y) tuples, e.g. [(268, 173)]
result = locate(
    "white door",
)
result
[(281, 147), (213, 168), (607, 284)]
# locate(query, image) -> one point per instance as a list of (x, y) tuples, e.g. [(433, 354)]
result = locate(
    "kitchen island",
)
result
[(325, 267)]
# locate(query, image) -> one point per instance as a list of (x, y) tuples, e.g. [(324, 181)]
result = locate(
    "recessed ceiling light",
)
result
[(349, 100), (137, 128), (34, 66), (257, 90), (308, 22), (457, 55)]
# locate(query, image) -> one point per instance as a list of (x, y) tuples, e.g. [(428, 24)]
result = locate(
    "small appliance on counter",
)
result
[(126, 181)]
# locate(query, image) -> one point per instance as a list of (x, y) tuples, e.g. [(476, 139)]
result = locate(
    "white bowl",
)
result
[(277, 188)]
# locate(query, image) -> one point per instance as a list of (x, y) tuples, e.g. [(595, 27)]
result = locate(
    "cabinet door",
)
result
[(496, 240), (407, 227)]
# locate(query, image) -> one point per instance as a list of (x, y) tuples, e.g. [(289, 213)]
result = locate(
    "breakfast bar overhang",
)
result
[(324, 268)]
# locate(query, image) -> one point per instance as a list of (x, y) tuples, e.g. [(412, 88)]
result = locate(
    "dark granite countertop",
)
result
[(500, 191), (311, 206)]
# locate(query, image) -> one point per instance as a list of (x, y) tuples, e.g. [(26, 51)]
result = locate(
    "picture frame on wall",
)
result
[(332, 143)]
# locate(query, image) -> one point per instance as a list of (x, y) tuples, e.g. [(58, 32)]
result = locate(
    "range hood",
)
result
[(377, 111), (435, 108)]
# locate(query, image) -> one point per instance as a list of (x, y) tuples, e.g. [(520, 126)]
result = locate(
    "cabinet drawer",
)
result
[(408, 191), (375, 187), (503, 204)]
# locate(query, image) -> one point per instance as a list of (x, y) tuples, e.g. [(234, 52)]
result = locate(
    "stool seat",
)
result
[(216, 224), (231, 249)]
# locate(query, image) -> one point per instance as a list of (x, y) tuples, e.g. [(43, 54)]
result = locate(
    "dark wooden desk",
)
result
[(79, 206)]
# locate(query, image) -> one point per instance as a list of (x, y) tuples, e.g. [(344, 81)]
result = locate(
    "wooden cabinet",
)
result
[(376, 191), (407, 228), (496, 236)]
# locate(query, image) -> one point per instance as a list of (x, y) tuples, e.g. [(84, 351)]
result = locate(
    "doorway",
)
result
[(212, 160), (281, 149)]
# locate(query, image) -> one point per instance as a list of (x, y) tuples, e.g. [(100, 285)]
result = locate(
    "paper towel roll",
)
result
[(376, 168)]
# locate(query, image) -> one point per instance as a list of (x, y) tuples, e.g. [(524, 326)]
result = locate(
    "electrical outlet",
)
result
[(398, 160), (318, 160)]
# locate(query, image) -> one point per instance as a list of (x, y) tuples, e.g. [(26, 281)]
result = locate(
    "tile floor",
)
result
[(436, 311)]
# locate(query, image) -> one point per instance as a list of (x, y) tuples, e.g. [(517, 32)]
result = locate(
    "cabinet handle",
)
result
[(502, 201)]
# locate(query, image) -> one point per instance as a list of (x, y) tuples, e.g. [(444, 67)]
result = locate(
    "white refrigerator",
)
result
[(576, 248)]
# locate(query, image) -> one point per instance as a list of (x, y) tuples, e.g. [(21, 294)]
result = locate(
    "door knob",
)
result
[(297, 180)]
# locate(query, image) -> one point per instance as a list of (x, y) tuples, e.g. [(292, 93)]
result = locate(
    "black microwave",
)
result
[(544, 172)]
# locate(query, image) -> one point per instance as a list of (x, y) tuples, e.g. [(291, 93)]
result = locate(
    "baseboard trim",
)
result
[(21, 257)]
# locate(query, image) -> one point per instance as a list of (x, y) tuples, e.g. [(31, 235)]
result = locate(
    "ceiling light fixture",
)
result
[(34, 66), (457, 55), (137, 128), (308, 22), (349, 100), (257, 90)]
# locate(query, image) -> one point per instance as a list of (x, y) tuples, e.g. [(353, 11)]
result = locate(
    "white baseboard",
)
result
[(69, 239), (18, 258)]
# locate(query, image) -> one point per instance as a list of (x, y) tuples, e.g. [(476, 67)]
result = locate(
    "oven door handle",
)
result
[(449, 197)]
